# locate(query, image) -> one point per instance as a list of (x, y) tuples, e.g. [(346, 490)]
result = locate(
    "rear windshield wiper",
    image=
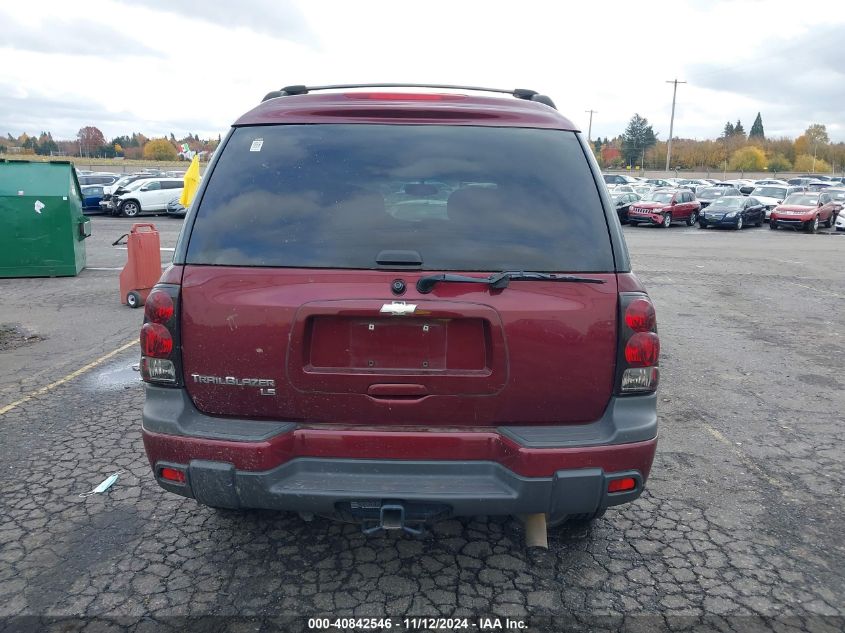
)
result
[(498, 280)]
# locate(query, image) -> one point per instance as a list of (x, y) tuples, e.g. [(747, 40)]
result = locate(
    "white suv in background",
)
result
[(149, 194)]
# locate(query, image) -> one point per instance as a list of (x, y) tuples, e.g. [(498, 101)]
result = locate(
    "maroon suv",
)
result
[(665, 206), (397, 307)]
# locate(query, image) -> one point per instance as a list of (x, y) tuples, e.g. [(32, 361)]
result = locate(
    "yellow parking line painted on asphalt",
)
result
[(67, 378), (749, 462)]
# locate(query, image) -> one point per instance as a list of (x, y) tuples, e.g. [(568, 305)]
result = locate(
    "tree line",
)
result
[(638, 147), (91, 143)]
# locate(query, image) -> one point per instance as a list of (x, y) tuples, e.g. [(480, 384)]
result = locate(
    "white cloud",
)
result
[(206, 63)]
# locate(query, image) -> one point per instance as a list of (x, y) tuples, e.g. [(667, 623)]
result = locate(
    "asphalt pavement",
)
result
[(740, 527)]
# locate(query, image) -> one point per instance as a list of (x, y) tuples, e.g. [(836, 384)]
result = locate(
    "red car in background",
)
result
[(665, 206), (806, 210)]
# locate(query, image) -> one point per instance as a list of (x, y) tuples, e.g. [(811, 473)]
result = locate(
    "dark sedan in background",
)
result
[(91, 196), (733, 212), (622, 202)]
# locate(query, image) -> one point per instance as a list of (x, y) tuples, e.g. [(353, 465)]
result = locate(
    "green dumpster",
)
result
[(42, 227)]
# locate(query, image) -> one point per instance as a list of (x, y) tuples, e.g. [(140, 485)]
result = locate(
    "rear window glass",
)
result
[(462, 197)]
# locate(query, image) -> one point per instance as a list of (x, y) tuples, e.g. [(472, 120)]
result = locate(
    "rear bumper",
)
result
[(559, 470), (438, 488)]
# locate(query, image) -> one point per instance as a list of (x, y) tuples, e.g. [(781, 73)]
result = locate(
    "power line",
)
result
[(672, 120)]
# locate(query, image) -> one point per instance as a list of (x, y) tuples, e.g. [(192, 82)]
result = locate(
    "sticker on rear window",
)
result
[(256, 145)]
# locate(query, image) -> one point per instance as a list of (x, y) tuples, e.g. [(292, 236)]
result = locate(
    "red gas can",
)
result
[(143, 264)]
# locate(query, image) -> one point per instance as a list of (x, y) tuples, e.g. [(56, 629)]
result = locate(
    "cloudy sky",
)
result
[(162, 66)]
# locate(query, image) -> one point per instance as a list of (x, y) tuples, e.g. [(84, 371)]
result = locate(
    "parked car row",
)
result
[(131, 195), (782, 206), (814, 182)]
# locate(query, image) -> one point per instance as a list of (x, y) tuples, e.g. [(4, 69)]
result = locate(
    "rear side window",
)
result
[(461, 197)]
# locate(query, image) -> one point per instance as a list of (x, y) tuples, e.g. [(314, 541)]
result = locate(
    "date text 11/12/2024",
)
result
[(419, 624)]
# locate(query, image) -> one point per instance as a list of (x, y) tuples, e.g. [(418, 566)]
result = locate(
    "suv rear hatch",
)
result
[(299, 298)]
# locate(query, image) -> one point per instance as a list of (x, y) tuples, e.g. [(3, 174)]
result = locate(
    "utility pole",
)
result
[(672, 120), (590, 128)]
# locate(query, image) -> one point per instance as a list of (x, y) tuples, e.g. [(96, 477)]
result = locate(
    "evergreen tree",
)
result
[(46, 144), (757, 128), (729, 130), (738, 129), (637, 138)]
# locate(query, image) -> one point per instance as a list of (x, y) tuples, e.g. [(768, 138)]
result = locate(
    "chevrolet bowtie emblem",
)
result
[(398, 308)]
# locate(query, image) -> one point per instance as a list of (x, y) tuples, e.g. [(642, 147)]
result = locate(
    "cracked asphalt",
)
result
[(740, 527)]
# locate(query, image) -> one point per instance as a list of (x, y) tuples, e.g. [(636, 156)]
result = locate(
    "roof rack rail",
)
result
[(519, 93)]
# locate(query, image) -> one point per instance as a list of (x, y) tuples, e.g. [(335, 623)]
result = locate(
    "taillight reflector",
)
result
[(639, 315), (642, 349), (159, 307), (158, 370), (640, 379), (622, 485), (156, 341), (171, 474)]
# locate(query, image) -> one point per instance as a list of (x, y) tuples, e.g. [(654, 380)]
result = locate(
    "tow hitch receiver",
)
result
[(391, 517)]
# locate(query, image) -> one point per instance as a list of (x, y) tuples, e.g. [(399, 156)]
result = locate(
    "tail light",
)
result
[(161, 360), (624, 484), (639, 346), (172, 475)]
